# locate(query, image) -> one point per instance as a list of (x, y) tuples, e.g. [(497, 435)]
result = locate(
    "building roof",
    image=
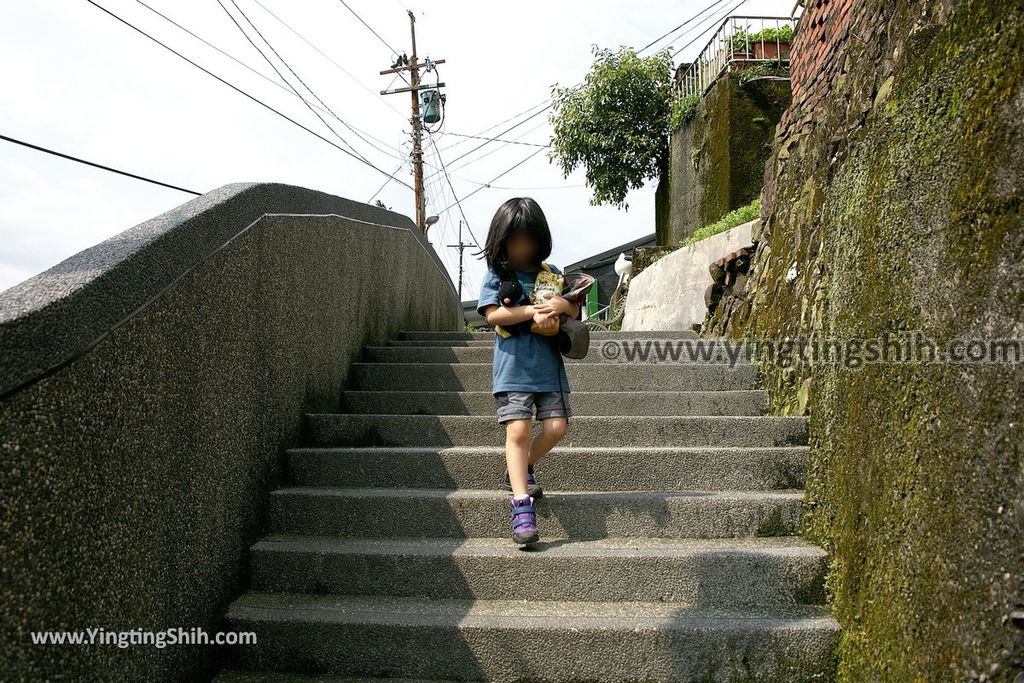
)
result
[(609, 256)]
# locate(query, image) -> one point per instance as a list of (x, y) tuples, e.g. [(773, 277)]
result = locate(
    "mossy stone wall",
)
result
[(717, 158), (895, 190)]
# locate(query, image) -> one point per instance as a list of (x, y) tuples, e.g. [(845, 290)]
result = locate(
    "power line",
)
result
[(276, 84), (454, 196), (503, 173), (688, 21), (299, 79), (510, 128), (385, 183), (95, 165), (528, 157), (511, 142), (281, 75), (499, 148), (714, 22), (240, 91), (514, 116), (386, 43), (330, 59), (304, 84), (548, 100)]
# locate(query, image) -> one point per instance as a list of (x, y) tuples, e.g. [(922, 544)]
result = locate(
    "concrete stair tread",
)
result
[(427, 335), (522, 614), (575, 418), (438, 401), (500, 450), (548, 547), (459, 513), (383, 429), (238, 676), (582, 375), (487, 494), (639, 468)]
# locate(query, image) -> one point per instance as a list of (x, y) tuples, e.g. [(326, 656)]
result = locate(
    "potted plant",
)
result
[(772, 43), (742, 48)]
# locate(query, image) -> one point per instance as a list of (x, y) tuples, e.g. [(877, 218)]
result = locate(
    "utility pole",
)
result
[(461, 246), (412, 65)]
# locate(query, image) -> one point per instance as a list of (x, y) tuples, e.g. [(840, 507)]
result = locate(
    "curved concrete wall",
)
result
[(669, 293), (148, 388)]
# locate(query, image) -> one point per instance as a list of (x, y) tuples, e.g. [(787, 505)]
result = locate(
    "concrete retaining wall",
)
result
[(669, 293), (149, 387)]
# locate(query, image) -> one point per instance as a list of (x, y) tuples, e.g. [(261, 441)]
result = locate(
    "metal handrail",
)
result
[(720, 52)]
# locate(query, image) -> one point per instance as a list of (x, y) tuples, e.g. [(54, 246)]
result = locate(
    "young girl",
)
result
[(528, 370)]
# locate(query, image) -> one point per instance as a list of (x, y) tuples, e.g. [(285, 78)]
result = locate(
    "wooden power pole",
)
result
[(461, 246), (412, 65)]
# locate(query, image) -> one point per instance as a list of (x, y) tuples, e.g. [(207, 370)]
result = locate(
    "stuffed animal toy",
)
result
[(510, 293), (548, 284)]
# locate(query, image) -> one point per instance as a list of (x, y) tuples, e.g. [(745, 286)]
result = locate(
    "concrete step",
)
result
[(600, 351), (237, 676), (625, 468), (499, 640), (580, 515), (415, 335), (714, 572), (582, 376), (735, 402), (333, 429)]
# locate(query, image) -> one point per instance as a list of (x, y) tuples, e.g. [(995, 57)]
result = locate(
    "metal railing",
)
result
[(739, 43)]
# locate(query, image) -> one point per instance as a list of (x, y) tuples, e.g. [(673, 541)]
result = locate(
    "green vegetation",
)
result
[(764, 70), (728, 221), (615, 124), (682, 109), (742, 41)]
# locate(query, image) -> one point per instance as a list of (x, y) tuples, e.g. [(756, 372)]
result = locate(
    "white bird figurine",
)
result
[(623, 267)]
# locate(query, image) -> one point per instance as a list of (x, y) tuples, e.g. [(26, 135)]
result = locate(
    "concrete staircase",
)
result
[(667, 531)]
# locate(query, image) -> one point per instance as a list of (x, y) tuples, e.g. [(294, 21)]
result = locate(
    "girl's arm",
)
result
[(561, 305), (500, 315)]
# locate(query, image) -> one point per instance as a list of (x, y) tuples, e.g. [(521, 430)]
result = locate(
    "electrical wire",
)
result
[(528, 157), (276, 84), (458, 202), (298, 78), (503, 173), (386, 43), (95, 165), (323, 54), (240, 91), (511, 142), (548, 102), (685, 23), (281, 75), (714, 22)]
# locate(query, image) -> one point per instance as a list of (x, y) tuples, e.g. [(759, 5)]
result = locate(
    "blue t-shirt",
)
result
[(526, 361)]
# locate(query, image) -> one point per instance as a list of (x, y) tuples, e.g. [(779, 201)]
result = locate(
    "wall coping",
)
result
[(52, 318)]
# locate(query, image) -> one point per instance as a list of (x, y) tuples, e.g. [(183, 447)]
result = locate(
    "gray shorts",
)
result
[(514, 405)]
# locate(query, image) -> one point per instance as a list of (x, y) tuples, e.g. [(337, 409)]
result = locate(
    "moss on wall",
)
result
[(717, 158), (900, 205)]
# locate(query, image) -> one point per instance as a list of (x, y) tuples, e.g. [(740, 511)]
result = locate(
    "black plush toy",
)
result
[(510, 293)]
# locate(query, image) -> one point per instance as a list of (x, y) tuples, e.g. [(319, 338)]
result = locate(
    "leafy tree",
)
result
[(616, 125)]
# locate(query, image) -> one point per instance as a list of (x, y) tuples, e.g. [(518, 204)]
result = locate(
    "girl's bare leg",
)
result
[(552, 431), (517, 454)]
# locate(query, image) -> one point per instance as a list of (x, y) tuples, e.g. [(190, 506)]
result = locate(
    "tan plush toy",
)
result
[(548, 283)]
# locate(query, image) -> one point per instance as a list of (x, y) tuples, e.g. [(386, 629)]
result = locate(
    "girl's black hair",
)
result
[(518, 213)]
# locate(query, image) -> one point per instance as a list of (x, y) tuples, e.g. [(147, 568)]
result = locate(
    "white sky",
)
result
[(80, 82)]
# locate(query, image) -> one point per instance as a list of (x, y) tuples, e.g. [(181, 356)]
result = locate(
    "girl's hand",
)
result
[(555, 303), (546, 322)]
